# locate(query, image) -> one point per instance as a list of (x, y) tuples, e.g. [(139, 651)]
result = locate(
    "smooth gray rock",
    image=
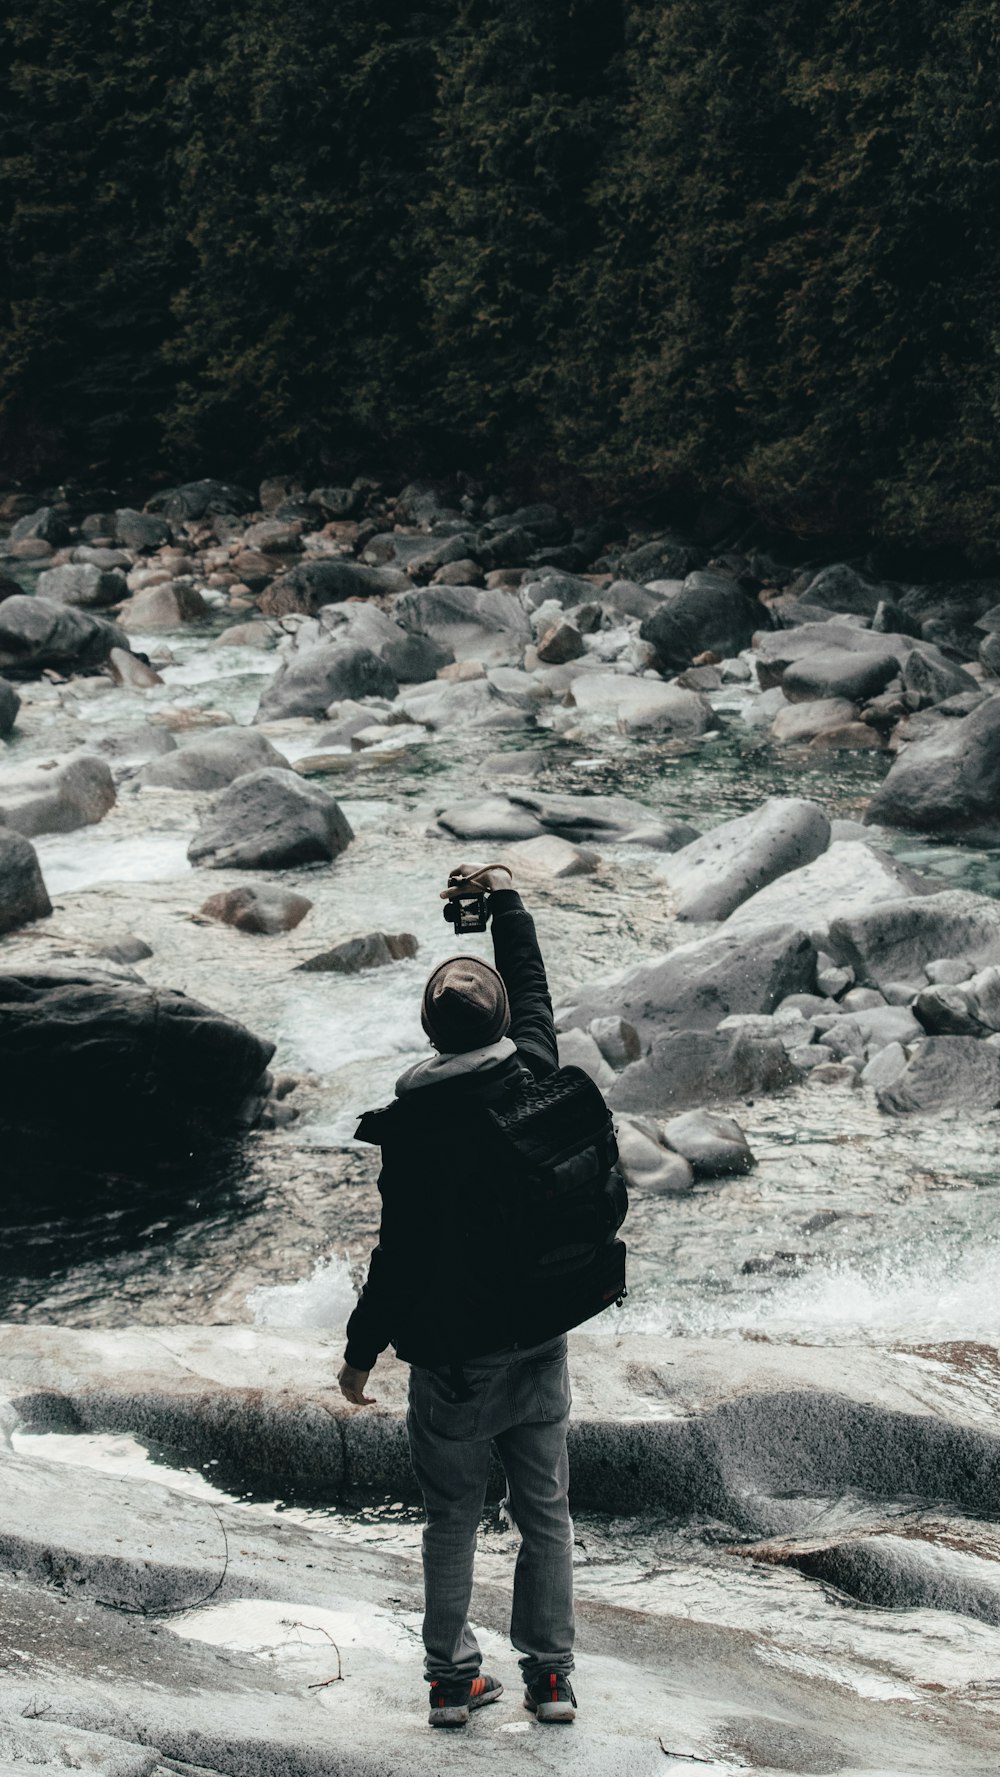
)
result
[(930, 674), (458, 704), (200, 499), (885, 1067), (860, 1032), (127, 950), (663, 558), (487, 624), (128, 669), (641, 705), (696, 985), (139, 531), (709, 612), (211, 758), (862, 999), (489, 817), (947, 971), (894, 942), (795, 724), (841, 588), (945, 1072), (689, 1067), (365, 950), (718, 872), (838, 673), (335, 502), (412, 658), (10, 703), (984, 997), (845, 876), (312, 584), (712, 1144), (617, 1040), (777, 652), (56, 798), (23, 895), (168, 606), (270, 820), (945, 1011), (577, 1048), (947, 783), (615, 818), (36, 633), (645, 1164), (264, 908), (623, 598), (46, 525), (307, 683), (84, 585)]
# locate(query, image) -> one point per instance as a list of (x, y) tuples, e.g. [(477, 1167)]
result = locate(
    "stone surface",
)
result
[(931, 675), (313, 584), (139, 531), (615, 818), (363, 950), (946, 1011), (712, 1144), (559, 643), (213, 758), (894, 942), (840, 588), (848, 874), (10, 703), (270, 820), (885, 1066), (947, 783), (200, 499), (127, 669), (838, 674), (260, 907), (162, 607), (776, 652), (711, 877), (489, 817), (617, 1040), (797, 723), (23, 896), (412, 658), (83, 584), (37, 633), (553, 858), (127, 1065), (708, 612), (577, 1048), (472, 622), (637, 705), (689, 1067), (307, 683), (45, 525), (49, 797), (126, 949), (945, 1072), (645, 1164)]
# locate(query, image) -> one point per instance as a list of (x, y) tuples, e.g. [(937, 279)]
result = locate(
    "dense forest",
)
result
[(744, 247)]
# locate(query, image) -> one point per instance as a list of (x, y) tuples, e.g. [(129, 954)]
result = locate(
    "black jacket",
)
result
[(438, 1284)]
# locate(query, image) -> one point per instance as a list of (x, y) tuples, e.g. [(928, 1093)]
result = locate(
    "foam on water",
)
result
[(323, 1300), (78, 860)]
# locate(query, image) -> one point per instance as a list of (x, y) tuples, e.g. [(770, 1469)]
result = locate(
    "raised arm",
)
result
[(519, 960)]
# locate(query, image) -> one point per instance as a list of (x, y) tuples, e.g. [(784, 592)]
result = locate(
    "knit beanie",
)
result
[(465, 1005)]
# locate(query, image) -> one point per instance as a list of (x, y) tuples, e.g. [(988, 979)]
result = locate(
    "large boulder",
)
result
[(838, 673), (36, 633), (943, 1072), (54, 797), (712, 1145), (263, 908), (89, 1061), (692, 1067), (946, 783), (722, 869), (489, 817), (895, 942), (709, 612), (638, 705), (662, 558), (412, 658), (83, 584), (139, 531), (23, 895), (473, 704), (472, 622), (840, 588), (698, 984), (312, 584), (795, 724), (781, 649), (211, 758), (848, 875), (200, 499), (45, 526), (308, 683), (163, 607), (615, 818), (270, 820), (10, 703)]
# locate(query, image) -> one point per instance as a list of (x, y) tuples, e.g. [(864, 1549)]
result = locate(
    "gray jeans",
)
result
[(520, 1401)]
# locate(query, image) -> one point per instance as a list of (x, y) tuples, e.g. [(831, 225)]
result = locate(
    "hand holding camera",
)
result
[(465, 895)]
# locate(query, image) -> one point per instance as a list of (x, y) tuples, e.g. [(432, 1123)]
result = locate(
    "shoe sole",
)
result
[(456, 1715), (552, 1712)]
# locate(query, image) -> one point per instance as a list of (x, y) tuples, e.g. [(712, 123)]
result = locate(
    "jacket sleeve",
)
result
[(519, 961), (370, 1327)]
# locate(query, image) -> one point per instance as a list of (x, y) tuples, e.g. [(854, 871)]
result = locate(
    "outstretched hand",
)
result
[(352, 1386), (473, 879)]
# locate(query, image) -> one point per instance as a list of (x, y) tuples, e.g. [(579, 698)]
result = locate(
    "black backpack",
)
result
[(555, 1142)]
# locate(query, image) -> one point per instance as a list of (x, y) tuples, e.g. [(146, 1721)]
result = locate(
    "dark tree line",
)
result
[(744, 245)]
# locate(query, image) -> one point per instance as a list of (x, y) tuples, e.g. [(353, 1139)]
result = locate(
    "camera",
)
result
[(467, 913)]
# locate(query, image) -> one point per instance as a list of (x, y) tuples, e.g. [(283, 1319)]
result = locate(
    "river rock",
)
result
[(54, 797), (931, 675), (213, 758), (447, 704), (559, 643), (82, 584), (687, 1067), (37, 633), (645, 1164), (312, 584), (945, 1072), (270, 820), (163, 607), (472, 622), (984, 997), (127, 1064), (838, 673), (623, 598), (363, 950), (712, 1145), (139, 531), (129, 670), (639, 705), (947, 783), (411, 657), (893, 942), (46, 525), (777, 652), (797, 723), (709, 612), (617, 1040), (840, 588), (577, 1048), (716, 873), (696, 985), (553, 858), (615, 818), (126, 949), (945, 1011), (260, 907), (10, 703), (848, 874), (200, 499), (489, 817), (308, 683), (885, 1066), (23, 896)]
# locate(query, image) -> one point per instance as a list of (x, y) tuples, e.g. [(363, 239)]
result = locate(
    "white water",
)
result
[(323, 1300)]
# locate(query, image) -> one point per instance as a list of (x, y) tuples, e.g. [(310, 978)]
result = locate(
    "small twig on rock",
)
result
[(691, 1756), (318, 1629), (175, 1610)]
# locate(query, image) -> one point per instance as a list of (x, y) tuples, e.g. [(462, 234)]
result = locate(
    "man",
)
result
[(439, 1289)]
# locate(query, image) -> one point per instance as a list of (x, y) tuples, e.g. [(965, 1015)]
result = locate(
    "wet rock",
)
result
[(200, 499), (617, 1040), (645, 1164), (368, 950), (931, 675), (797, 723), (696, 985), (270, 820), (689, 1067), (615, 818), (984, 997), (840, 588), (128, 1065), (473, 704), (472, 622), (10, 703), (893, 942), (83, 584), (253, 634), (308, 683), (139, 531), (709, 611), (126, 950), (860, 1033), (715, 874), (947, 783), (53, 797), (623, 598), (713, 1145), (577, 1048), (776, 653), (838, 674), (885, 1066), (847, 875), (560, 643), (312, 584), (841, 1074), (851, 737), (490, 817), (553, 858), (44, 526), (212, 759), (260, 907), (23, 896), (128, 669), (412, 658), (638, 705), (163, 607), (37, 634), (945, 1072), (945, 1011)]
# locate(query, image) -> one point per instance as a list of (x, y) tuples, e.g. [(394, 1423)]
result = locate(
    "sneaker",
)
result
[(451, 1703), (550, 1697)]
